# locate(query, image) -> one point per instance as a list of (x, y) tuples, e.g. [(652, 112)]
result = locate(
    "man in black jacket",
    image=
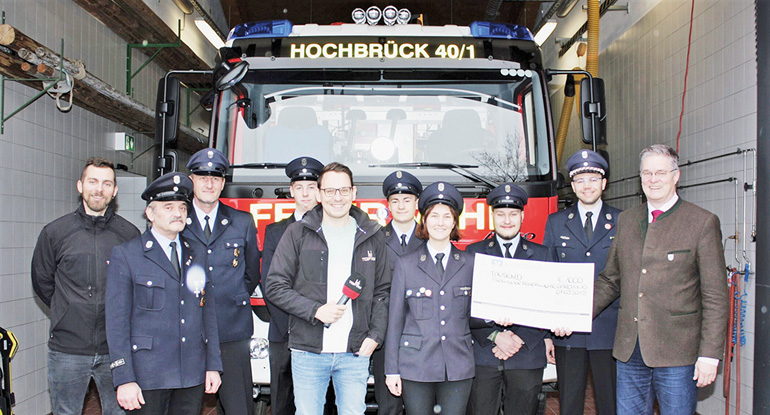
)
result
[(69, 268), (303, 173), (334, 243)]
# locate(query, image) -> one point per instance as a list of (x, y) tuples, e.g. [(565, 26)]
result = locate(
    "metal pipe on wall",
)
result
[(761, 393)]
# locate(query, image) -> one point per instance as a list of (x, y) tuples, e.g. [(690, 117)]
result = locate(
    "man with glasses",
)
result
[(232, 262), (335, 248), (584, 233), (667, 267), (303, 173)]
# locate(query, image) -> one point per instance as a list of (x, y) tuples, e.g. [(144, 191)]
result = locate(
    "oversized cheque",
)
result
[(533, 293)]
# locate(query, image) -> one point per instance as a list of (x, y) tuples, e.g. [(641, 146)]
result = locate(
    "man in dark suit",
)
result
[(511, 357), (303, 173), (584, 233), (160, 314), (401, 190), (667, 266), (232, 261)]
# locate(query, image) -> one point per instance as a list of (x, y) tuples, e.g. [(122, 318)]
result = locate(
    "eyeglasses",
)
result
[(591, 180), (646, 174), (344, 191)]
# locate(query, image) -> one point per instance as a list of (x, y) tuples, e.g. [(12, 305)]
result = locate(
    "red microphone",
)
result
[(350, 291)]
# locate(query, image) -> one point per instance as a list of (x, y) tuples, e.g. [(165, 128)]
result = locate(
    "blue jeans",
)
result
[(311, 372), (638, 386), (68, 378)]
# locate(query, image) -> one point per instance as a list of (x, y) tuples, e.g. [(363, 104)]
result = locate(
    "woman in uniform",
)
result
[(428, 349)]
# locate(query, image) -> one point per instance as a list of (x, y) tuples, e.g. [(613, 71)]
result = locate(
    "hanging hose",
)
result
[(592, 66), (729, 343)]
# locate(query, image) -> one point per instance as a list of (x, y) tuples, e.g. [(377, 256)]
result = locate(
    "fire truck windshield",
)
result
[(491, 119)]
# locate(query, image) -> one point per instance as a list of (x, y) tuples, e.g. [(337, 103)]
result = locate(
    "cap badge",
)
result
[(507, 188), (584, 154), (585, 163), (148, 245), (176, 189), (303, 161), (399, 174), (177, 180), (209, 164), (441, 196), (441, 187), (507, 197), (422, 258)]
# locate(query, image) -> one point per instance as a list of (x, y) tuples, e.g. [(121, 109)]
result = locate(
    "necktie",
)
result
[(403, 242), (440, 263), (655, 214), (589, 226), (175, 259), (207, 228), (507, 253)]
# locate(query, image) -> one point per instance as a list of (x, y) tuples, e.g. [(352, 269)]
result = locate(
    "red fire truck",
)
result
[(464, 104)]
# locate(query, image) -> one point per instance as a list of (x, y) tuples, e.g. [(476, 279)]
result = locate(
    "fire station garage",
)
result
[(474, 93)]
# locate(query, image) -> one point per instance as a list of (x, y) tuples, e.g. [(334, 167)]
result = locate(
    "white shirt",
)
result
[(340, 242), (200, 214), (446, 251), (664, 208), (596, 211), (408, 234), (164, 244), (514, 244)]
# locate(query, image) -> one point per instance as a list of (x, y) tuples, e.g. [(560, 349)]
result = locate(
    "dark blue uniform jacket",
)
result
[(159, 334), (565, 237), (532, 353), (279, 319), (232, 261)]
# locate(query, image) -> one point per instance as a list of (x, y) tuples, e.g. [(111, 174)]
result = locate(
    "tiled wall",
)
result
[(644, 75), (42, 153)]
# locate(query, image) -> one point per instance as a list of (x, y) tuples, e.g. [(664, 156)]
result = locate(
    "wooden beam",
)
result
[(96, 96), (135, 22)]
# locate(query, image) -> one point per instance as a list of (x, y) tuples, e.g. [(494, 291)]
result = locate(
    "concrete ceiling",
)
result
[(435, 12)]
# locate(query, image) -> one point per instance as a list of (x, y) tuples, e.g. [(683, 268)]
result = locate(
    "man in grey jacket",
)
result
[(69, 269), (318, 258)]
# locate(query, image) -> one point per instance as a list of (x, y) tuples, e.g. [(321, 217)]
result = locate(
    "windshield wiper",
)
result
[(259, 166), (461, 169)]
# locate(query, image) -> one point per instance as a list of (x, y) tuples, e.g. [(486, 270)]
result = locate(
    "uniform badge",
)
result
[(203, 298), (608, 226), (524, 246), (387, 233), (571, 215), (491, 244), (303, 161), (584, 154), (225, 221), (186, 245), (235, 262), (368, 257), (148, 245), (457, 257), (117, 363), (441, 187), (422, 258), (176, 181), (507, 188), (399, 174), (236, 252), (189, 221), (189, 261), (608, 216), (210, 154), (566, 238)]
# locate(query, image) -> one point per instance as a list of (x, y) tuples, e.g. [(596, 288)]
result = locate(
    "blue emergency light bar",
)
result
[(500, 31), (267, 29)]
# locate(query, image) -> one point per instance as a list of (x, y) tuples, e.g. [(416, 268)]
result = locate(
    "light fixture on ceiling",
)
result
[(545, 31), (184, 5), (209, 33)]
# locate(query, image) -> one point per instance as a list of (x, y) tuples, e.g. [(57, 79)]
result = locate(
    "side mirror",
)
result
[(167, 109), (166, 163), (593, 114), (233, 75)]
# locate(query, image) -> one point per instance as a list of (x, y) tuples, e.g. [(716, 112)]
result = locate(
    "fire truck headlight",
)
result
[(359, 16), (373, 15), (404, 16), (383, 149), (259, 348), (389, 15)]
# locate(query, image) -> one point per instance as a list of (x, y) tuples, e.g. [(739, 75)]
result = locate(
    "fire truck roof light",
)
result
[(500, 31), (267, 29)]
